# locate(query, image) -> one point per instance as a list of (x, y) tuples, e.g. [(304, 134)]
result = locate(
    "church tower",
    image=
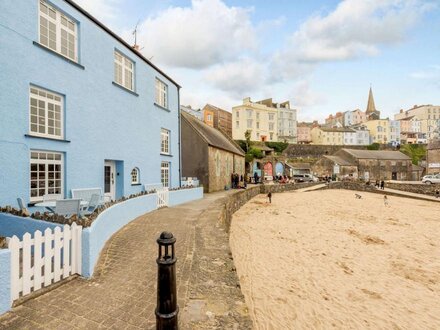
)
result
[(371, 112)]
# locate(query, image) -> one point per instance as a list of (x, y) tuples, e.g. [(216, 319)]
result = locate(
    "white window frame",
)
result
[(161, 93), (59, 27), (165, 173), (50, 98), (134, 174), (42, 159), (125, 66), (165, 147)]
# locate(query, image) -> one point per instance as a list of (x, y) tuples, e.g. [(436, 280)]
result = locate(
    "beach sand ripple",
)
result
[(324, 259)]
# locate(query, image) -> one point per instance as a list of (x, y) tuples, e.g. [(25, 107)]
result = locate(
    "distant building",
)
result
[(198, 113), (366, 164), (303, 132), (335, 121), (371, 112), (362, 135), (410, 131), (354, 117), (332, 136), (267, 121), (218, 118), (384, 131), (209, 154), (428, 115), (433, 157)]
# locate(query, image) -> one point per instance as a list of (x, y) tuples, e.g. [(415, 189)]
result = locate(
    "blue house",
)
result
[(79, 107)]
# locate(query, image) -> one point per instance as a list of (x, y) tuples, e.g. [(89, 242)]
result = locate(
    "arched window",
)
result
[(135, 176)]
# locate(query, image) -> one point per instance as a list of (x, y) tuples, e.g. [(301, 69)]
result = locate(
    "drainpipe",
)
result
[(180, 137)]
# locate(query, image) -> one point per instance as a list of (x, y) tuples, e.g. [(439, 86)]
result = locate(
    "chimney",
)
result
[(401, 110), (136, 47)]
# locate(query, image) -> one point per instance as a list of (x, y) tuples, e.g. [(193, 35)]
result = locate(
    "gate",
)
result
[(162, 197), (44, 259)]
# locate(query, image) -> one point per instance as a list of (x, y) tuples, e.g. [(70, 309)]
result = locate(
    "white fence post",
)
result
[(60, 259)]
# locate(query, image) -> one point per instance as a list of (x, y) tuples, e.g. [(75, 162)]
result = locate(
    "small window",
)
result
[(249, 123), (209, 117), (237, 124), (45, 113), (165, 174), (135, 176), (58, 32), (124, 71), (237, 114), (161, 94), (165, 141)]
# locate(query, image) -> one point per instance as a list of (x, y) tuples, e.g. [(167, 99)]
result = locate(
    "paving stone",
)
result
[(122, 292)]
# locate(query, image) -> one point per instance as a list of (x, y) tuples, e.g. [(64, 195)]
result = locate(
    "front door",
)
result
[(394, 175), (109, 180)]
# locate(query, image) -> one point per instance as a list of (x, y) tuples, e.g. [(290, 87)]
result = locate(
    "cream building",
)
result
[(267, 121), (332, 136), (384, 131), (428, 117)]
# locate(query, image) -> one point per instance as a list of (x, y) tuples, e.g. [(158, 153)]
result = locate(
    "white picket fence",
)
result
[(44, 259), (163, 197)]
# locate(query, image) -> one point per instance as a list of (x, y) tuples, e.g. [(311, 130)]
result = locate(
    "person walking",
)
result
[(385, 200), (382, 184), (255, 177), (269, 195), (437, 193)]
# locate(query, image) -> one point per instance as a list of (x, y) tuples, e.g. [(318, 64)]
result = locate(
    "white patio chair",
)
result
[(95, 200), (20, 203), (68, 207), (51, 197)]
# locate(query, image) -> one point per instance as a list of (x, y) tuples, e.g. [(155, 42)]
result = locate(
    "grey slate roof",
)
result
[(339, 160), (377, 154), (212, 136)]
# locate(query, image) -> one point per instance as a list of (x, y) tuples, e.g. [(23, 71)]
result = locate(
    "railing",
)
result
[(44, 259)]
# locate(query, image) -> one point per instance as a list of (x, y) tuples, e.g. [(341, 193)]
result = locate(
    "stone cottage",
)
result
[(209, 155), (366, 164)]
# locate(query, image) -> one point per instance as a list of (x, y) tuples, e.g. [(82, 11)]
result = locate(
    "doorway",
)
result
[(109, 180)]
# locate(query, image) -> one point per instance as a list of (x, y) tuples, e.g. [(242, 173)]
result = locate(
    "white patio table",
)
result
[(50, 205)]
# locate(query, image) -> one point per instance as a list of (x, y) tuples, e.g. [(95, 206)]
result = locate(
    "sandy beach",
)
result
[(324, 259)]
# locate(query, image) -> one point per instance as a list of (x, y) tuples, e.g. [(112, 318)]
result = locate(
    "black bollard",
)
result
[(166, 309)]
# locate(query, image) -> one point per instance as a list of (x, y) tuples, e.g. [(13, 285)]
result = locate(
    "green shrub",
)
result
[(257, 153), (416, 151), (277, 146), (374, 146)]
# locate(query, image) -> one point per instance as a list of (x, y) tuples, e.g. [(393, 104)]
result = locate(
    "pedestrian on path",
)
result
[(437, 193), (269, 195), (385, 200), (382, 185)]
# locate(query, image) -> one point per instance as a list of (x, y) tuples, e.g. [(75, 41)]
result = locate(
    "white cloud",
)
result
[(101, 9), (303, 96), (433, 73), (238, 78), (207, 33), (355, 28)]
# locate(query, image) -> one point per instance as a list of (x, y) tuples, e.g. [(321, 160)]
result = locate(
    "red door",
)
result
[(268, 169)]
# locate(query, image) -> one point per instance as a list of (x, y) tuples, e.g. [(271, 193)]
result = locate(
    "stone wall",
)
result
[(425, 189), (317, 151), (237, 200), (221, 164)]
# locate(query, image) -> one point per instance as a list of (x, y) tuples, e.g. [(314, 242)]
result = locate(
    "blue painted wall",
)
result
[(102, 121), (5, 280), (11, 225)]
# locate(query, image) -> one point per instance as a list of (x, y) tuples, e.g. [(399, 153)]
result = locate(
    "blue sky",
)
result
[(320, 55)]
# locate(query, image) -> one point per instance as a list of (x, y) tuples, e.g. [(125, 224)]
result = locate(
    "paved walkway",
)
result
[(122, 293)]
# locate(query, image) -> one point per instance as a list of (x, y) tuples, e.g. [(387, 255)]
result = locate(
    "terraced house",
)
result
[(80, 107)]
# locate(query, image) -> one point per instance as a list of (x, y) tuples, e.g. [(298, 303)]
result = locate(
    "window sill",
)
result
[(46, 138), (161, 107), (58, 55), (124, 88), (168, 155), (136, 184)]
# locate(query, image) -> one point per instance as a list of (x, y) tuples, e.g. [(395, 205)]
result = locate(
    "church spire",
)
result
[(370, 106)]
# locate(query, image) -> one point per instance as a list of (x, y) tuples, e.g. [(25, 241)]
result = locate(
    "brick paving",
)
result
[(122, 292)]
